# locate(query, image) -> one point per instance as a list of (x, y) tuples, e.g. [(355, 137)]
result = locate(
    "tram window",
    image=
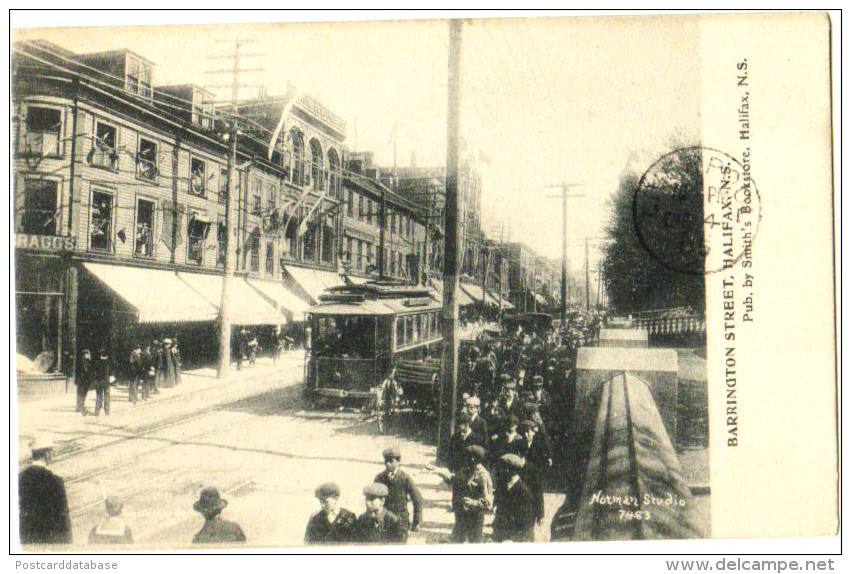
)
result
[(352, 336), (409, 329), (400, 331)]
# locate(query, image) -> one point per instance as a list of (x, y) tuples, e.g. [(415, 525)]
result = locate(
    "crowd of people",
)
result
[(151, 366), (517, 393)]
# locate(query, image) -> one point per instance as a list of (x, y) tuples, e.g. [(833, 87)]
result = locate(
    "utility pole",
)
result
[(382, 223), (564, 197), (449, 382), (587, 280), (233, 133)]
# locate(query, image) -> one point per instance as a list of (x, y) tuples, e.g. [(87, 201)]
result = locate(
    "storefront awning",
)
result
[(247, 306), (463, 298), (473, 291), (286, 300), (313, 281), (539, 299), (494, 300), (158, 296)]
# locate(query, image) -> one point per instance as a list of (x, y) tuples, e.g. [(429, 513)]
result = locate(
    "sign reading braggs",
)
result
[(46, 242)]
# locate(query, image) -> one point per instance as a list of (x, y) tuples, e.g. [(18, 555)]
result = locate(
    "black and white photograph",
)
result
[(449, 281)]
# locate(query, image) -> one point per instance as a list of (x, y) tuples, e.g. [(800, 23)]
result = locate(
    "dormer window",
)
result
[(203, 110), (137, 79)]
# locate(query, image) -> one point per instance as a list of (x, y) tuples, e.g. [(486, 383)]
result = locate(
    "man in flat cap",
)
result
[(536, 446), (472, 495), (113, 530), (215, 530), (515, 504), (44, 514), (332, 524), (509, 441), (460, 440), (401, 487), (378, 525)]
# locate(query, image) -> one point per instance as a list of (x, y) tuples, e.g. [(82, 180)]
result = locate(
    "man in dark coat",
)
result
[(463, 438), (479, 426), (515, 504), (83, 379), (332, 524), (137, 373), (103, 381), (378, 525), (472, 496), (215, 530), (509, 441), (43, 504), (400, 488), (150, 373)]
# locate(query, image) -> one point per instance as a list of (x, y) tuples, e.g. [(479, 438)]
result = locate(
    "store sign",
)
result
[(45, 242)]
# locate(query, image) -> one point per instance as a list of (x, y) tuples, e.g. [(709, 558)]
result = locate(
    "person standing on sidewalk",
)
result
[(137, 373), (83, 379), (378, 525), (159, 366), (253, 347), (103, 380), (332, 524), (472, 495), (113, 530), (169, 378), (515, 504), (149, 373), (43, 503), (178, 362)]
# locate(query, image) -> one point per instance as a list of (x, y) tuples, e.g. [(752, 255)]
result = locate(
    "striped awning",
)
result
[(314, 282), (247, 306), (285, 299)]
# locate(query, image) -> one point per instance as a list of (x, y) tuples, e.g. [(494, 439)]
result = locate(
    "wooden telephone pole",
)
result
[(564, 197), (449, 382)]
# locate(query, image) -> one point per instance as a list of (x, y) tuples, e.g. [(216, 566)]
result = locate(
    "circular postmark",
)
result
[(696, 210)]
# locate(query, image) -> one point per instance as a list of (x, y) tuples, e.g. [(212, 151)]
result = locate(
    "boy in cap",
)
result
[(479, 426), (459, 442), (508, 441), (113, 530), (210, 504), (400, 487), (332, 524), (515, 504), (378, 525), (472, 495)]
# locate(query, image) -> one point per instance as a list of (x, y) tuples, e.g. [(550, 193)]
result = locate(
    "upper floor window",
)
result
[(316, 171), (146, 160), (101, 221), (197, 176), (257, 198), (223, 185), (272, 199), (37, 207), (104, 151), (43, 131), (145, 210), (370, 207), (333, 173), (254, 251), (221, 240), (199, 227), (350, 203), (138, 77), (270, 258), (298, 175), (361, 210)]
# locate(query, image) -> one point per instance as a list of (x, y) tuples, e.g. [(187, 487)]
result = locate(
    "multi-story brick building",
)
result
[(120, 195)]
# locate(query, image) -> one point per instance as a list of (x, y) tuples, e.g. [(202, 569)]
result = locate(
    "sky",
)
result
[(545, 100)]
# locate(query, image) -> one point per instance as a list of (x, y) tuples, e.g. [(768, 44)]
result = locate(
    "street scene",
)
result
[(359, 295)]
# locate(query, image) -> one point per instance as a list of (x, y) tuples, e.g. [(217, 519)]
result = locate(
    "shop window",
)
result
[(145, 210), (104, 151), (270, 259), (101, 221), (146, 160), (197, 176), (44, 129), (199, 227), (37, 209)]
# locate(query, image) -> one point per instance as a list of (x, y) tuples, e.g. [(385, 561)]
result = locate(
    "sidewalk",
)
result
[(50, 410)]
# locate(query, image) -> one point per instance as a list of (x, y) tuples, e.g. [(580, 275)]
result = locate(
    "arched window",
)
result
[(334, 173), (297, 145), (317, 173)]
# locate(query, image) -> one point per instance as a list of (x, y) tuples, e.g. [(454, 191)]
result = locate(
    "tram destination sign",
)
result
[(45, 242)]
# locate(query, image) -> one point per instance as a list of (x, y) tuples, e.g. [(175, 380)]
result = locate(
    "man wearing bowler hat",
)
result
[(332, 524), (400, 488), (43, 503), (215, 530), (378, 525)]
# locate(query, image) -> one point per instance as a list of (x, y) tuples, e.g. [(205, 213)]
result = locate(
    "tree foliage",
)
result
[(637, 280)]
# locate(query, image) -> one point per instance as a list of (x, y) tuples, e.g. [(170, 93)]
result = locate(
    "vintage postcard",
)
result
[(545, 279)]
